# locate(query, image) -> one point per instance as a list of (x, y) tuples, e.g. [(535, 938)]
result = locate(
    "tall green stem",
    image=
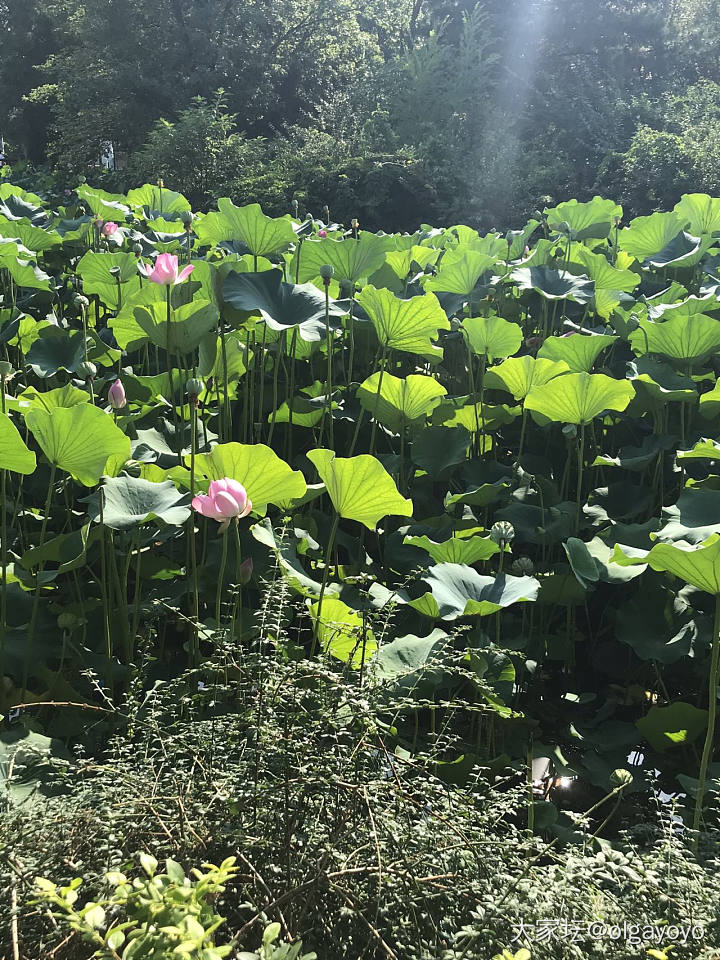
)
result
[(329, 361), (712, 711), (195, 651), (218, 594), (580, 460), (41, 566)]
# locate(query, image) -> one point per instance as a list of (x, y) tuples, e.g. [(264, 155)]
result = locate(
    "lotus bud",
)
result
[(633, 323), (355, 223), (322, 233), (570, 431), (565, 227), (246, 571), (115, 272), (161, 183), (522, 567), (116, 395), (294, 205), (326, 213), (109, 228), (621, 778), (6, 370), (326, 272), (186, 218), (87, 370), (502, 532), (617, 220), (137, 248), (194, 388), (81, 302)]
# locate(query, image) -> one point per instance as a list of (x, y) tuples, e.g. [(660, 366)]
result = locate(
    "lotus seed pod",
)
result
[(570, 431), (186, 217), (68, 621), (633, 323), (522, 567), (326, 272), (81, 302), (6, 370), (621, 778), (87, 370), (115, 272), (355, 223), (326, 213), (137, 248), (502, 532), (294, 205)]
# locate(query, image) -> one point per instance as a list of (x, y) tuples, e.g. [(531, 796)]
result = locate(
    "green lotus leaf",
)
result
[(693, 517), (679, 338), (698, 565), (457, 590), (666, 727), (485, 482), (94, 268), (493, 337), (158, 199), (687, 307), (646, 236), (578, 351), (68, 551), (25, 273), (592, 562), (475, 417), (639, 458), (210, 356), (593, 219), (285, 552), (308, 408), (659, 382), (401, 401), (436, 449), (14, 454), (534, 525), (407, 325), (188, 325), (401, 261), (401, 661), (699, 212), (710, 402), (464, 550), (704, 449), (262, 235), (343, 634), (460, 271), (352, 260), (579, 397), (33, 238), (518, 375), (106, 206), (601, 272), (67, 396), (553, 285), (81, 440), (643, 623), (266, 478), (684, 250), (360, 488), (283, 306), (130, 501)]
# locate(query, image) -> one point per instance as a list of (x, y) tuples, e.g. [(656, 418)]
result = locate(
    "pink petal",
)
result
[(185, 273), (204, 505), (226, 505)]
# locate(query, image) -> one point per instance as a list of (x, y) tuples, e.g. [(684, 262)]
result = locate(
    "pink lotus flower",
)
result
[(116, 395), (165, 271), (322, 233), (225, 500), (109, 228)]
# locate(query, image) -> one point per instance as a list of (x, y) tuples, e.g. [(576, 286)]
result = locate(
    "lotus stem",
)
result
[(326, 573), (194, 646), (580, 459), (218, 593), (41, 565), (710, 735)]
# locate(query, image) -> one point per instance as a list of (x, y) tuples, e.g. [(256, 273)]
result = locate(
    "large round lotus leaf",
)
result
[(693, 517), (460, 271), (401, 261), (492, 337), (407, 325), (401, 401), (592, 219), (704, 449), (266, 478), (81, 440), (690, 339), (188, 324), (553, 285), (677, 724), (351, 260), (106, 206), (94, 268), (24, 272), (360, 488), (700, 213), (261, 235), (401, 661), (639, 458), (56, 349), (579, 397), (67, 396), (474, 416), (157, 199), (282, 305), (696, 565), (518, 375), (129, 501), (465, 550), (32, 238), (578, 351), (460, 591), (710, 402), (436, 449), (14, 455), (649, 235), (601, 272), (342, 633), (659, 382)]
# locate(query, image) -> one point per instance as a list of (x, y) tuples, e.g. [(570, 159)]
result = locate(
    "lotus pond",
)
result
[(496, 450)]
